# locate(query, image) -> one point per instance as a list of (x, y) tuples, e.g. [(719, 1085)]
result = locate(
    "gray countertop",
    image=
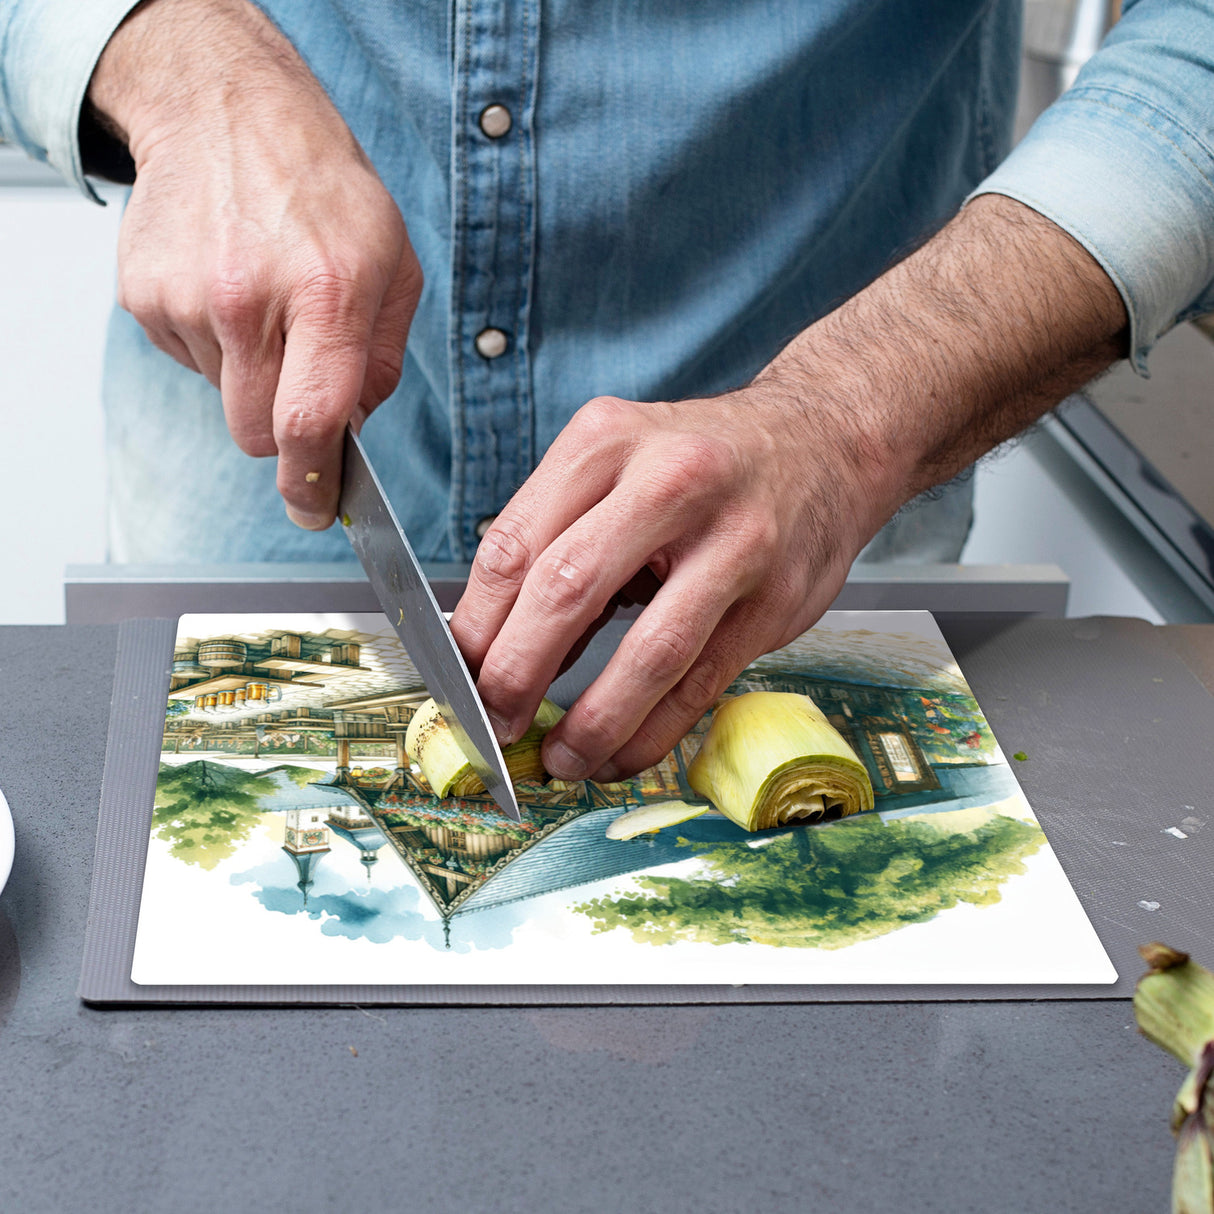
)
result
[(958, 1105)]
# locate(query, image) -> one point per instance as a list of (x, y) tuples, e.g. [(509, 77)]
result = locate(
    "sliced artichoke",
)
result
[(649, 819), (772, 757), (430, 743)]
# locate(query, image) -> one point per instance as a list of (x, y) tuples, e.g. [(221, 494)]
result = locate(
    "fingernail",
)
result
[(308, 521), (564, 763)]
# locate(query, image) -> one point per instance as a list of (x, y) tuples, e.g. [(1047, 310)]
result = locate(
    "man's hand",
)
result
[(746, 507), (750, 507), (259, 246)]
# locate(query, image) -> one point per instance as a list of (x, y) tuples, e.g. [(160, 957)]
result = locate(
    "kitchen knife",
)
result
[(413, 611)]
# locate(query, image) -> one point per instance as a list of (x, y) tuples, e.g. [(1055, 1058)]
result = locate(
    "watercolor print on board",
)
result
[(292, 842)]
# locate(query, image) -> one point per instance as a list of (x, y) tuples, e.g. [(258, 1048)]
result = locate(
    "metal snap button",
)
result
[(491, 343), (496, 121)]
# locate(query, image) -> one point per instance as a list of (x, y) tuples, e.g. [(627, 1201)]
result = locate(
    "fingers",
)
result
[(772, 614), (321, 383), (564, 593), (343, 356), (569, 589), (248, 328), (540, 581), (577, 472), (737, 640), (655, 655), (750, 625), (640, 589), (174, 347), (386, 349), (292, 373), (719, 499), (558, 556)]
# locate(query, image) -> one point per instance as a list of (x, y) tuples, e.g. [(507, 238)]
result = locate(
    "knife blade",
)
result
[(405, 595)]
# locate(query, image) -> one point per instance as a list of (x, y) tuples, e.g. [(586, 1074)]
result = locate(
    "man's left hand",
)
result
[(749, 507)]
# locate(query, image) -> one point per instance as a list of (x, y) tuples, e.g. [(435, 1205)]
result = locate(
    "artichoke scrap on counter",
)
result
[(770, 758), (1174, 1007)]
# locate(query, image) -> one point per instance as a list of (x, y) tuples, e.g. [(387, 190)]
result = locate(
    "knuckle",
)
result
[(562, 582), (162, 303), (757, 534), (698, 460), (664, 650), (598, 729), (330, 285), (307, 425), (604, 417), (694, 475), (139, 297), (383, 374), (233, 303), (502, 681), (413, 277), (696, 690), (382, 209), (504, 554), (125, 295)]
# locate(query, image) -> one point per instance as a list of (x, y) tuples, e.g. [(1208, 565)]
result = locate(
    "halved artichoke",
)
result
[(430, 743), (772, 757)]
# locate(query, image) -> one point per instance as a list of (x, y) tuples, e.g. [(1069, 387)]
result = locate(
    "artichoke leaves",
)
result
[(771, 758), (430, 743)]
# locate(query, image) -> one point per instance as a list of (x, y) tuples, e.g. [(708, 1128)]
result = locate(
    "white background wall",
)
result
[(56, 284)]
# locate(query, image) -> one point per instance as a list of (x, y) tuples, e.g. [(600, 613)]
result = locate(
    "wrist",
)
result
[(844, 403), (174, 63)]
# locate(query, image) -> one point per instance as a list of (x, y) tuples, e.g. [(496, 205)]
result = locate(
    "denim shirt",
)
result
[(679, 188)]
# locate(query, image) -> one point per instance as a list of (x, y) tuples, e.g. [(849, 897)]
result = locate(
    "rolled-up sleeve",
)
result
[(48, 50), (1124, 162)]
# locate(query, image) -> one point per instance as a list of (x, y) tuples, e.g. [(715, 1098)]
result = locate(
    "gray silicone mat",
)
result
[(1117, 731)]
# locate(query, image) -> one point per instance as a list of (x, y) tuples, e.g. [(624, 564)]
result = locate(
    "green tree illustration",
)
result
[(824, 887), (204, 810), (300, 776)]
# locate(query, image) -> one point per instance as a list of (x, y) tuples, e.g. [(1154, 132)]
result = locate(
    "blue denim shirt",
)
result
[(683, 186)]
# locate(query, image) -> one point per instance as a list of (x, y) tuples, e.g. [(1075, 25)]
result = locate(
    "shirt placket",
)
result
[(493, 213)]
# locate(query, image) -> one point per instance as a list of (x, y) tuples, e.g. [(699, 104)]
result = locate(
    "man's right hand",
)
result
[(259, 247)]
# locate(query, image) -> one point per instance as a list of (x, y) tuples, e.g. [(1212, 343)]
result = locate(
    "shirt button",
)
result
[(495, 121), (483, 526), (491, 343)]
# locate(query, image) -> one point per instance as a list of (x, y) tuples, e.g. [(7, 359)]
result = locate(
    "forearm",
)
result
[(957, 348)]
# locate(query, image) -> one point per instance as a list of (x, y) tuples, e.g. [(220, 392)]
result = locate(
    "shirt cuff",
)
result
[(1135, 187), (50, 50)]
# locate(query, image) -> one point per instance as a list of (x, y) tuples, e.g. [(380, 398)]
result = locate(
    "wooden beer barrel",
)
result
[(221, 653)]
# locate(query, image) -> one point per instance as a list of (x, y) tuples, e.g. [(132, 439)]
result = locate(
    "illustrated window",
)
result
[(897, 753)]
